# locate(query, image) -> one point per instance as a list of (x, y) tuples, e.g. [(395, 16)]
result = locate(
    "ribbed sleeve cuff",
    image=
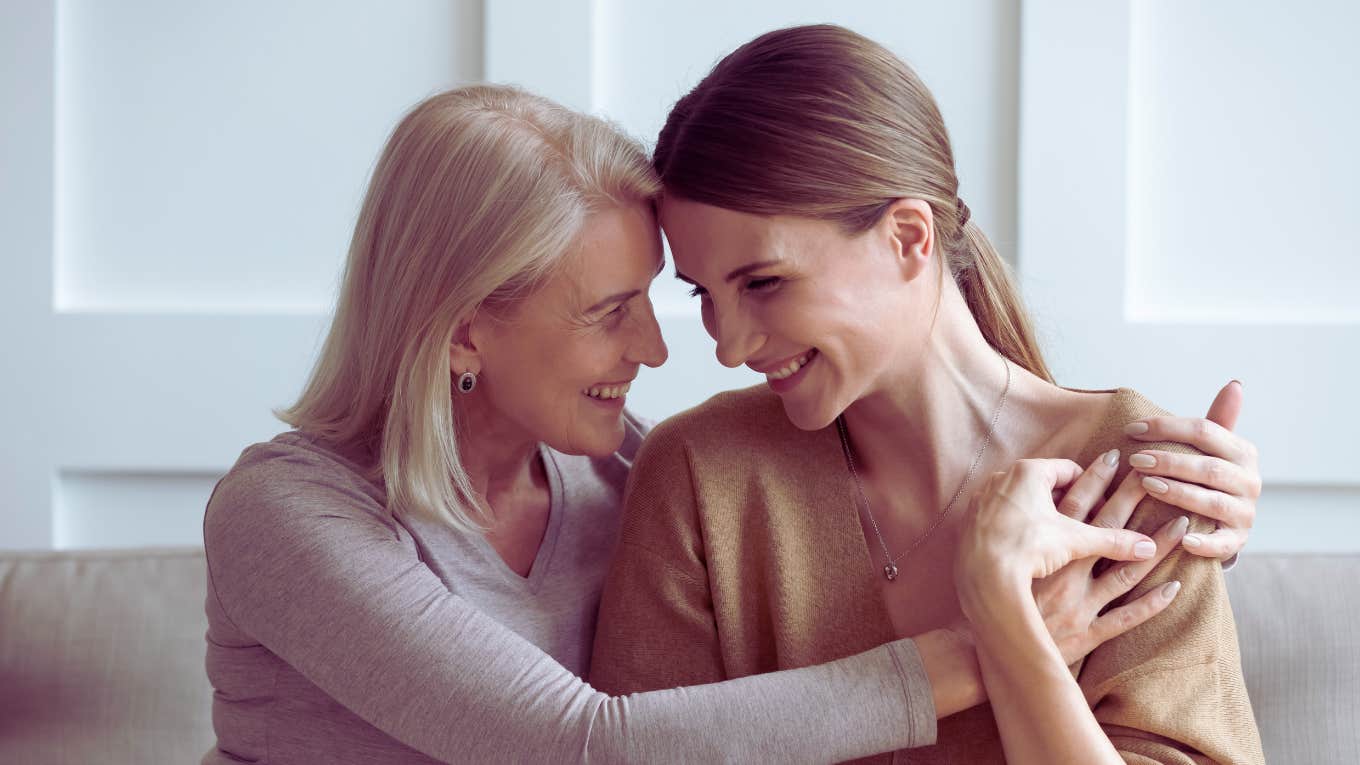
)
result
[(916, 692)]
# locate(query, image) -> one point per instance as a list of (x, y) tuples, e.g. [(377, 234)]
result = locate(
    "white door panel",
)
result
[(178, 185), (1175, 233)]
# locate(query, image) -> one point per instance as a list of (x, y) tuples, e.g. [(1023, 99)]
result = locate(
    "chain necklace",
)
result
[(890, 567)]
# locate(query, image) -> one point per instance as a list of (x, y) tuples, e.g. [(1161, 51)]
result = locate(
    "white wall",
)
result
[(178, 183), (1186, 180)]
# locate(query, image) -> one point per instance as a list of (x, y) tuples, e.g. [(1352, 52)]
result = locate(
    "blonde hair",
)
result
[(478, 196), (820, 122)]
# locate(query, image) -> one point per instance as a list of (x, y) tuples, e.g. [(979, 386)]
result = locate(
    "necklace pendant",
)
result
[(890, 571)]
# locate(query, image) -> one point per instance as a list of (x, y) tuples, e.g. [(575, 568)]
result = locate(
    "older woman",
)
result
[(412, 574), (810, 199)]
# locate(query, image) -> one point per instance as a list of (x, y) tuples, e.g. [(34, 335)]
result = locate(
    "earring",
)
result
[(466, 382)]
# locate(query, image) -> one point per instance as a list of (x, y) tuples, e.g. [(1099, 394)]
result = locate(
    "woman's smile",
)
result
[(785, 375), (609, 395)]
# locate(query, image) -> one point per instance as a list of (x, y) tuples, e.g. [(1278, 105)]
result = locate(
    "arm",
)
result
[(1172, 691), (315, 575), (1169, 690), (657, 627)]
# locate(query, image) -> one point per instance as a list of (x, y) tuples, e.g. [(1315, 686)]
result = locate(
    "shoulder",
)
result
[(289, 481), (727, 423), (734, 439), (1126, 406)]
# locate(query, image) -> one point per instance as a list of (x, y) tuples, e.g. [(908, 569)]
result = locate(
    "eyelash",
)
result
[(759, 284), (615, 316)]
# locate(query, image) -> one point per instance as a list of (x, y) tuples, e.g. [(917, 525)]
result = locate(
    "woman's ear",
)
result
[(465, 353), (909, 227)]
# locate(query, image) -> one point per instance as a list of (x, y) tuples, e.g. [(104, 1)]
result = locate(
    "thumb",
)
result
[(1227, 405), (1115, 544)]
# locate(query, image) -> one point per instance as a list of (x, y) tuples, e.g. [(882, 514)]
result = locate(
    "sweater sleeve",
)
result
[(657, 627), (315, 573), (1171, 690)]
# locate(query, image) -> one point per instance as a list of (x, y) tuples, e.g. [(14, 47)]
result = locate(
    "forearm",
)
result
[(1040, 711), (951, 664), (852, 707)]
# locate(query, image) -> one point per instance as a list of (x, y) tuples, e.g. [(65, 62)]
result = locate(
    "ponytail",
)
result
[(989, 289)]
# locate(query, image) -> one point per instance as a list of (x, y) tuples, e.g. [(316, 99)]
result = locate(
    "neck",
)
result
[(922, 424), (499, 456)]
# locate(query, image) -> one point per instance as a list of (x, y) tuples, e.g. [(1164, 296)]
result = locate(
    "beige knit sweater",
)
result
[(742, 553)]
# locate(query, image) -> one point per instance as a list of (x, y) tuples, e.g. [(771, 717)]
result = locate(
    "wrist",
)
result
[(992, 594), (951, 665)]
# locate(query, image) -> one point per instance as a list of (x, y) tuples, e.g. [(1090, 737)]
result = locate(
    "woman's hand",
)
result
[(1071, 601), (1015, 532), (1223, 483), (1017, 543)]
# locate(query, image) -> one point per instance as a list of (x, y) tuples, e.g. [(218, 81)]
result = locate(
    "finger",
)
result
[(1227, 405), (1088, 489), (1221, 544), (1226, 509), (1117, 510), (1117, 621), (1209, 437), (1052, 472), (1115, 544), (1209, 472), (1119, 579)]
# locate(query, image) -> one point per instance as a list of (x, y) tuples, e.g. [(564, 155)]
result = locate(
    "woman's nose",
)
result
[(649, 345), (736, 341)]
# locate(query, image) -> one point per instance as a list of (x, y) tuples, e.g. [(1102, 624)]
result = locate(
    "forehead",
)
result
[(706, 238), (618, 235), (618, 249)]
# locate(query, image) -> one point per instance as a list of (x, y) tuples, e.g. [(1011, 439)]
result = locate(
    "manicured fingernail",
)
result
[(1192, 540), (1182, 523), (1143, 460), (1239, 382), (1136, 428), (1155, 485), (1111, 457), (1145, 549), (1170, 589)]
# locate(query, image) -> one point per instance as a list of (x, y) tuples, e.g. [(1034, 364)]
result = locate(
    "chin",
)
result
[(597, 442), (808, 416)]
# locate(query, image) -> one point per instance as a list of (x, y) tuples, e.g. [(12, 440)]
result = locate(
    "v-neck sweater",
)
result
[(742, 553), (339, 632)]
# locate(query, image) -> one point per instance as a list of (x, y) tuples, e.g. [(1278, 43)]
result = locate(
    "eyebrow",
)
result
[(618, 297), (735, 274), (622, 297)]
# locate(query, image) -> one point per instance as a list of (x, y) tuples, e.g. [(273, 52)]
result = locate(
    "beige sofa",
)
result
[(101, 656)]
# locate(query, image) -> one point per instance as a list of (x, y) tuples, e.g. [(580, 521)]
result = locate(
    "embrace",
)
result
[(909, 544)]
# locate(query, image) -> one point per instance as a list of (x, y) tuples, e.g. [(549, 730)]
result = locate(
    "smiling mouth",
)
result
[(790, 369), (607, 392)]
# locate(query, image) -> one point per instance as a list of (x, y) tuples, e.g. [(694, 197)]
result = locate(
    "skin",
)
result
[(535, 362), (590, 326), (893, 347)]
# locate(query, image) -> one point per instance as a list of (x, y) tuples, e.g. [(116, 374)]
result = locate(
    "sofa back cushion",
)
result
[(1298, 623), (101, 657)]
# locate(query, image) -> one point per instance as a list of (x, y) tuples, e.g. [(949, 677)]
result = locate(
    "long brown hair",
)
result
[(820, 122)]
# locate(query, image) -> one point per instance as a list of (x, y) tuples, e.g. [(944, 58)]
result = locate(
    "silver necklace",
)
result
[(890, 567)]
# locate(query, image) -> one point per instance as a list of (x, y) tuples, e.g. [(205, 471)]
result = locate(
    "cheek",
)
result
[(578, 362)]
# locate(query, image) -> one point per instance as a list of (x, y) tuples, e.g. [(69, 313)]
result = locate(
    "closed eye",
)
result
[(615, 316), (762, 284)]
